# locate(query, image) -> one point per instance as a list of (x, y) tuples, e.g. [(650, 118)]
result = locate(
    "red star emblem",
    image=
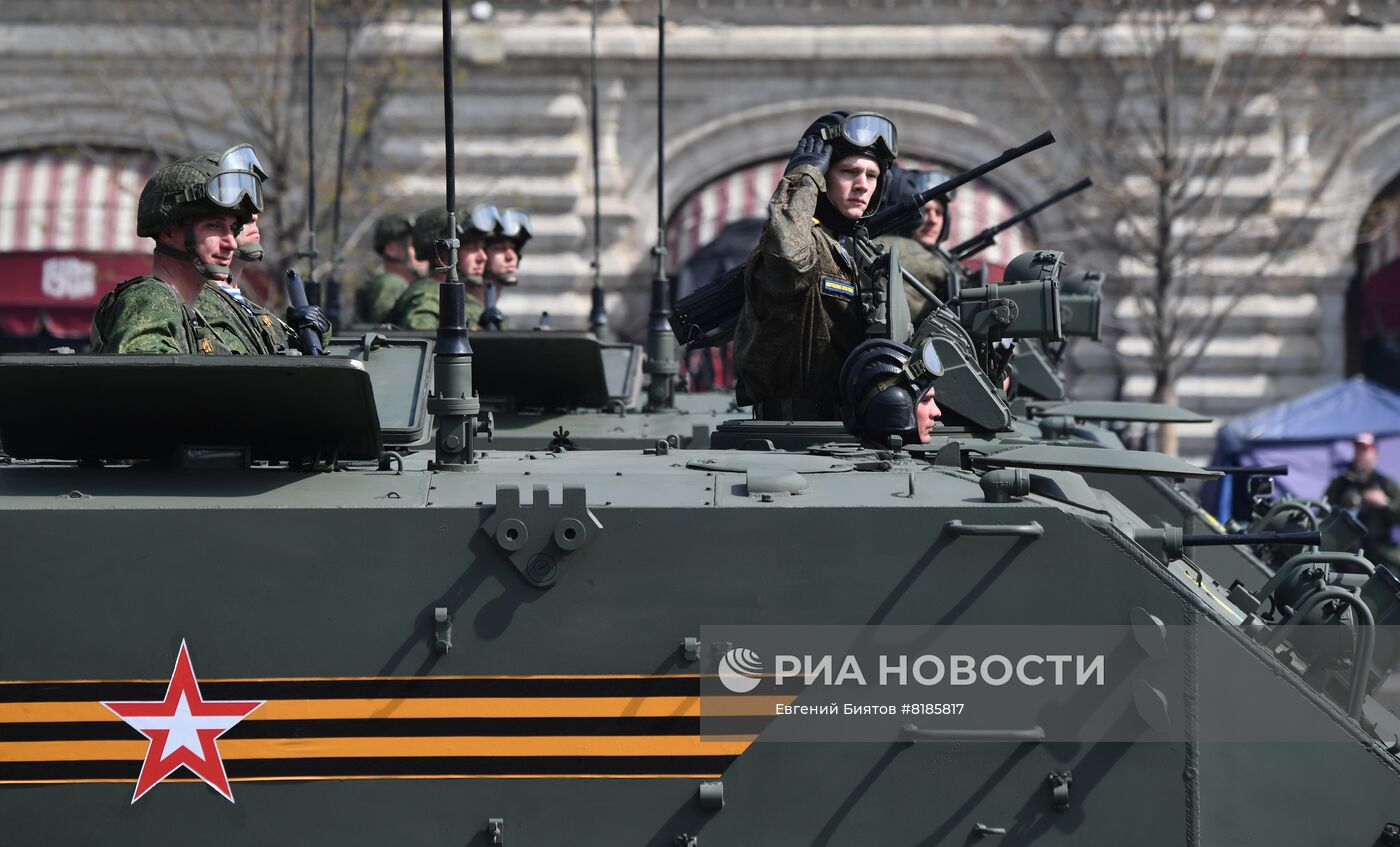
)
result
[(183, 729)]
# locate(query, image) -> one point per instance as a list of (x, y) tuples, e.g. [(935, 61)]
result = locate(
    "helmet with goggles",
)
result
[(858, 134), (882, 383), (906, 184), (513, 224), (430, 226), (864, 131), (202, 185)]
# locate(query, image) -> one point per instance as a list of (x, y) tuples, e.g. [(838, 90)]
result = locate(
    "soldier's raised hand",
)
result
[(811, 150)]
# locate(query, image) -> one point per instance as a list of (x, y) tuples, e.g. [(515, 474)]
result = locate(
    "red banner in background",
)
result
[(58, 291)]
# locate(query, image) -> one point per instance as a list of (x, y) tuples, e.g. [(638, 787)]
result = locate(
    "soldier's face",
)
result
[(214, 239), (850, 182), (932, 224), (420, 266), (501, 258), (249, 234), (471, 258), (926, 414)]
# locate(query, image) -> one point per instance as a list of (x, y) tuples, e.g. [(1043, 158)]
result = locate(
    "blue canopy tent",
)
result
[(1311, 435)]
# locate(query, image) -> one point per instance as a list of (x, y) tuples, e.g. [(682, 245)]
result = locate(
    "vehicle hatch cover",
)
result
[(1094, 460), (746, 462)]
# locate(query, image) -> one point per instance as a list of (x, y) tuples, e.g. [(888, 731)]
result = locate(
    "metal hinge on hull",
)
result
[(539, 537)]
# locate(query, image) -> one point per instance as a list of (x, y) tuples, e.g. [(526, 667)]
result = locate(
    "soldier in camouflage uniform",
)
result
[(920, 252), (504, 249), (194, 209), (233, 314), (417, 307), (393, 243), (802, 311)]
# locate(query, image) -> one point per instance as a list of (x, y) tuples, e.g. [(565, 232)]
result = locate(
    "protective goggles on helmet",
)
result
[(865, 129), (923, 366), (484, 218), (515, 223), (919, 372), (228, 188), (924, 180), (242, 158)]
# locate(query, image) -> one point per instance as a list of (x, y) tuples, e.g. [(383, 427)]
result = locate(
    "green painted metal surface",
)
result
[(300, 586)]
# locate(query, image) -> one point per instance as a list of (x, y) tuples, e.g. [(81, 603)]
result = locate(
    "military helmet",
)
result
[(906, 184), (200, 185), (513, 224), (866, 133), (431, 225), (881, 384), (857, 134), (391, 228)]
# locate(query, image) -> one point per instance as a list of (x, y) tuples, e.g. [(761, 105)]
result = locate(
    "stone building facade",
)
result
[(742, 80)]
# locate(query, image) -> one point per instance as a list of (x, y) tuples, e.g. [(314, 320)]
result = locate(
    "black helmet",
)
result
[(906, 183), (857, 134), (881, 384)]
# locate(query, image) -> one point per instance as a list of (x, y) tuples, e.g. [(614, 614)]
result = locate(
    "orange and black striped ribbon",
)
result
[(387, 727)]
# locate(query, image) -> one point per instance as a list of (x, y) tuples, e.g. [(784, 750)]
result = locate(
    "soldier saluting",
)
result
[(194, 208), (802, 310)]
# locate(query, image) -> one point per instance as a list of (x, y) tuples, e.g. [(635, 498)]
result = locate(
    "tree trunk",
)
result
[(1165, 392)]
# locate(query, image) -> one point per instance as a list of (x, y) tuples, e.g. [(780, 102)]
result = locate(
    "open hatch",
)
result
[(273, 408)]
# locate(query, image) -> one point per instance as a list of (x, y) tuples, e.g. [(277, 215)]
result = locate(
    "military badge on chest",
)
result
[(838, 288)]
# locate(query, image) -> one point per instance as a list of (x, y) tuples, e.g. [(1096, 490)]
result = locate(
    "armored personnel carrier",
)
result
[(368, 648)]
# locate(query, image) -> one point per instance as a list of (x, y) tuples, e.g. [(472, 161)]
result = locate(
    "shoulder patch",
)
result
[(838, 288)]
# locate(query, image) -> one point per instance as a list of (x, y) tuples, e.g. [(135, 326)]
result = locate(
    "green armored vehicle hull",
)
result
[(543, 389), (517, 653)]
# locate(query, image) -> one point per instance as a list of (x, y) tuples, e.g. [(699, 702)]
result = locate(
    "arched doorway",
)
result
[(1373, 300), (715, 226)]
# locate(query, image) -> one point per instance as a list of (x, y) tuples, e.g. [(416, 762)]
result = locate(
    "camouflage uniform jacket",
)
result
[(417, 308), (246, 328), (146, 314), (375, 298), (802, 313), (927, 266)]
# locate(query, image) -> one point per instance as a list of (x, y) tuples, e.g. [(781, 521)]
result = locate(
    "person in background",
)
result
[(1372, 497)]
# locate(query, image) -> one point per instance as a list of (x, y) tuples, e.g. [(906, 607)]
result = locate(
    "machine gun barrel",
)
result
[(1312, 537), (898, 217), (987, 237)]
